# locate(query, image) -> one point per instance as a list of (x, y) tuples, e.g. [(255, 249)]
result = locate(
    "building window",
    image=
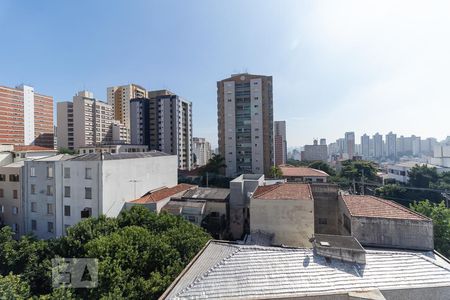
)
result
[(87, 193), (15, 194), (86, 212), (67, 191), (15, 227), (33, 225), (67, 210), (13, 177), (50, 227), (49, 190), (66, 226), (88, 173), (33, 207), (15, 210), (49, 209), (1, 193), (33, 172), (2, 177), (323, 221), (33, 189), (49, 172), (66, 172), (347, 224)]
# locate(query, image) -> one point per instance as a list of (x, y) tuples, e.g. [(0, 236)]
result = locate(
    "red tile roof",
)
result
[(374, 207), (163, 193), (290, 171), (31, 148), (284, 191)]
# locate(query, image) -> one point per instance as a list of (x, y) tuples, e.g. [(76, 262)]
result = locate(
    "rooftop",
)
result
[(28, 148), (113, 156), (57, 157), (227, 270), (203, 193), (412, 164), (291, 171), (284, 191), (17, 164), (374, 207), (163, 193)]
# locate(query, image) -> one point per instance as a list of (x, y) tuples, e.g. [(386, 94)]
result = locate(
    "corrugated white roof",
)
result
[(227, 270)]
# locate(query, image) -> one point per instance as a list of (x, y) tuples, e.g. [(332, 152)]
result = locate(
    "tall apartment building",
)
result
[(378, 145), (202, 151), (365, 146), (26, 117), (245, 123), (119, 98), (163, 121), (280, 142), (350, 144), (88, 122), (62, 190), (391, 145), (315, 152)]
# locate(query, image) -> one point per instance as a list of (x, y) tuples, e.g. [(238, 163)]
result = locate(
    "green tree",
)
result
[(422, 176), (215, 165), (441, 223), (275, 172), (354, 169), (13, 287), (321, 165), (391, 191)]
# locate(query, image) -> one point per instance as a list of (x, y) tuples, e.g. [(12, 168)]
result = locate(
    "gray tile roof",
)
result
[(226, 270), (123, 155), (207, 194)]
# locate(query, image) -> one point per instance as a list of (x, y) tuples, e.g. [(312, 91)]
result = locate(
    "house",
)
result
[(193, 211), (399, 171), (383, 223), (227, 270), (285, 211), (303, 174)]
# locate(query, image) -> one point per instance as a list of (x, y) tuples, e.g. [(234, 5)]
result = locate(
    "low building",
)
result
[(226, 270), (285, 211), (121, 148), (303, 174), (156, 199), (61, 190), (383, 223), (399, 171), (11, 208), (16, 153), (193, 211)]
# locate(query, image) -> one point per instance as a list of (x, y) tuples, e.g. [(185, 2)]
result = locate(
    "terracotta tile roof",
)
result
[(31, 148), (290, 171), (163, 193), (284, 191), (374, 207)]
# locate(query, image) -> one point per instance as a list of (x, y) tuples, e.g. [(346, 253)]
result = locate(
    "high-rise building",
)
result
[(280, 142), (26, 117), (88, 122), (202, 151), (350, 144), (119, 98), (245, 123), (416, 145), (323, 142), (365, 146), (315, 152), (163, 121), (377, 145), (391, 145)]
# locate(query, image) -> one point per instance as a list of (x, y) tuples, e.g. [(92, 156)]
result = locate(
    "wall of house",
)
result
[(325, 208), (291, 221), (8, 203)]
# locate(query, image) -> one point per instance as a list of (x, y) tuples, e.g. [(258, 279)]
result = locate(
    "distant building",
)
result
[(280, 142), (323, 142), (427, 146), (284, 211), (26, 117), (441, 156), (124, 148), (119, 98), (201, 150), (315, 152), (378, 145), (349, 144), (365, 146), (245, 116), (391, 145), (303, 174), (61, 190)]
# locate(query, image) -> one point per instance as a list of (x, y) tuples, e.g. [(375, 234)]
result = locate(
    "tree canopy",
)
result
[(275, 172), (323, 166), (140, 253)]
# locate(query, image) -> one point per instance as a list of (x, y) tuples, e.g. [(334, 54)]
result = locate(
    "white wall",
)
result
[(28, 114), (257, 134), (230, 127)]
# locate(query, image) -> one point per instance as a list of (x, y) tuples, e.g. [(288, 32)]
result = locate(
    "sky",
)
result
[(337, 66)]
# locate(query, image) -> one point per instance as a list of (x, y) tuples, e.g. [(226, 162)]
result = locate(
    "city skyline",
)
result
[(324, 68)]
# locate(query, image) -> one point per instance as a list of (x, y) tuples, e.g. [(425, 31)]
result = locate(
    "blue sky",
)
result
[(364, 66)]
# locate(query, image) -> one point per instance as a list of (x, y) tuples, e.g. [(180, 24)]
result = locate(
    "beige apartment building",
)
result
[(88, 122), (245, 123), (26, 117), (119, 98)]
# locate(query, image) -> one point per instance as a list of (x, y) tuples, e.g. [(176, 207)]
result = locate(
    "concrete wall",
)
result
[(6, 158), (393, 233), (325, 208), (7, 202), (291, 221)]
